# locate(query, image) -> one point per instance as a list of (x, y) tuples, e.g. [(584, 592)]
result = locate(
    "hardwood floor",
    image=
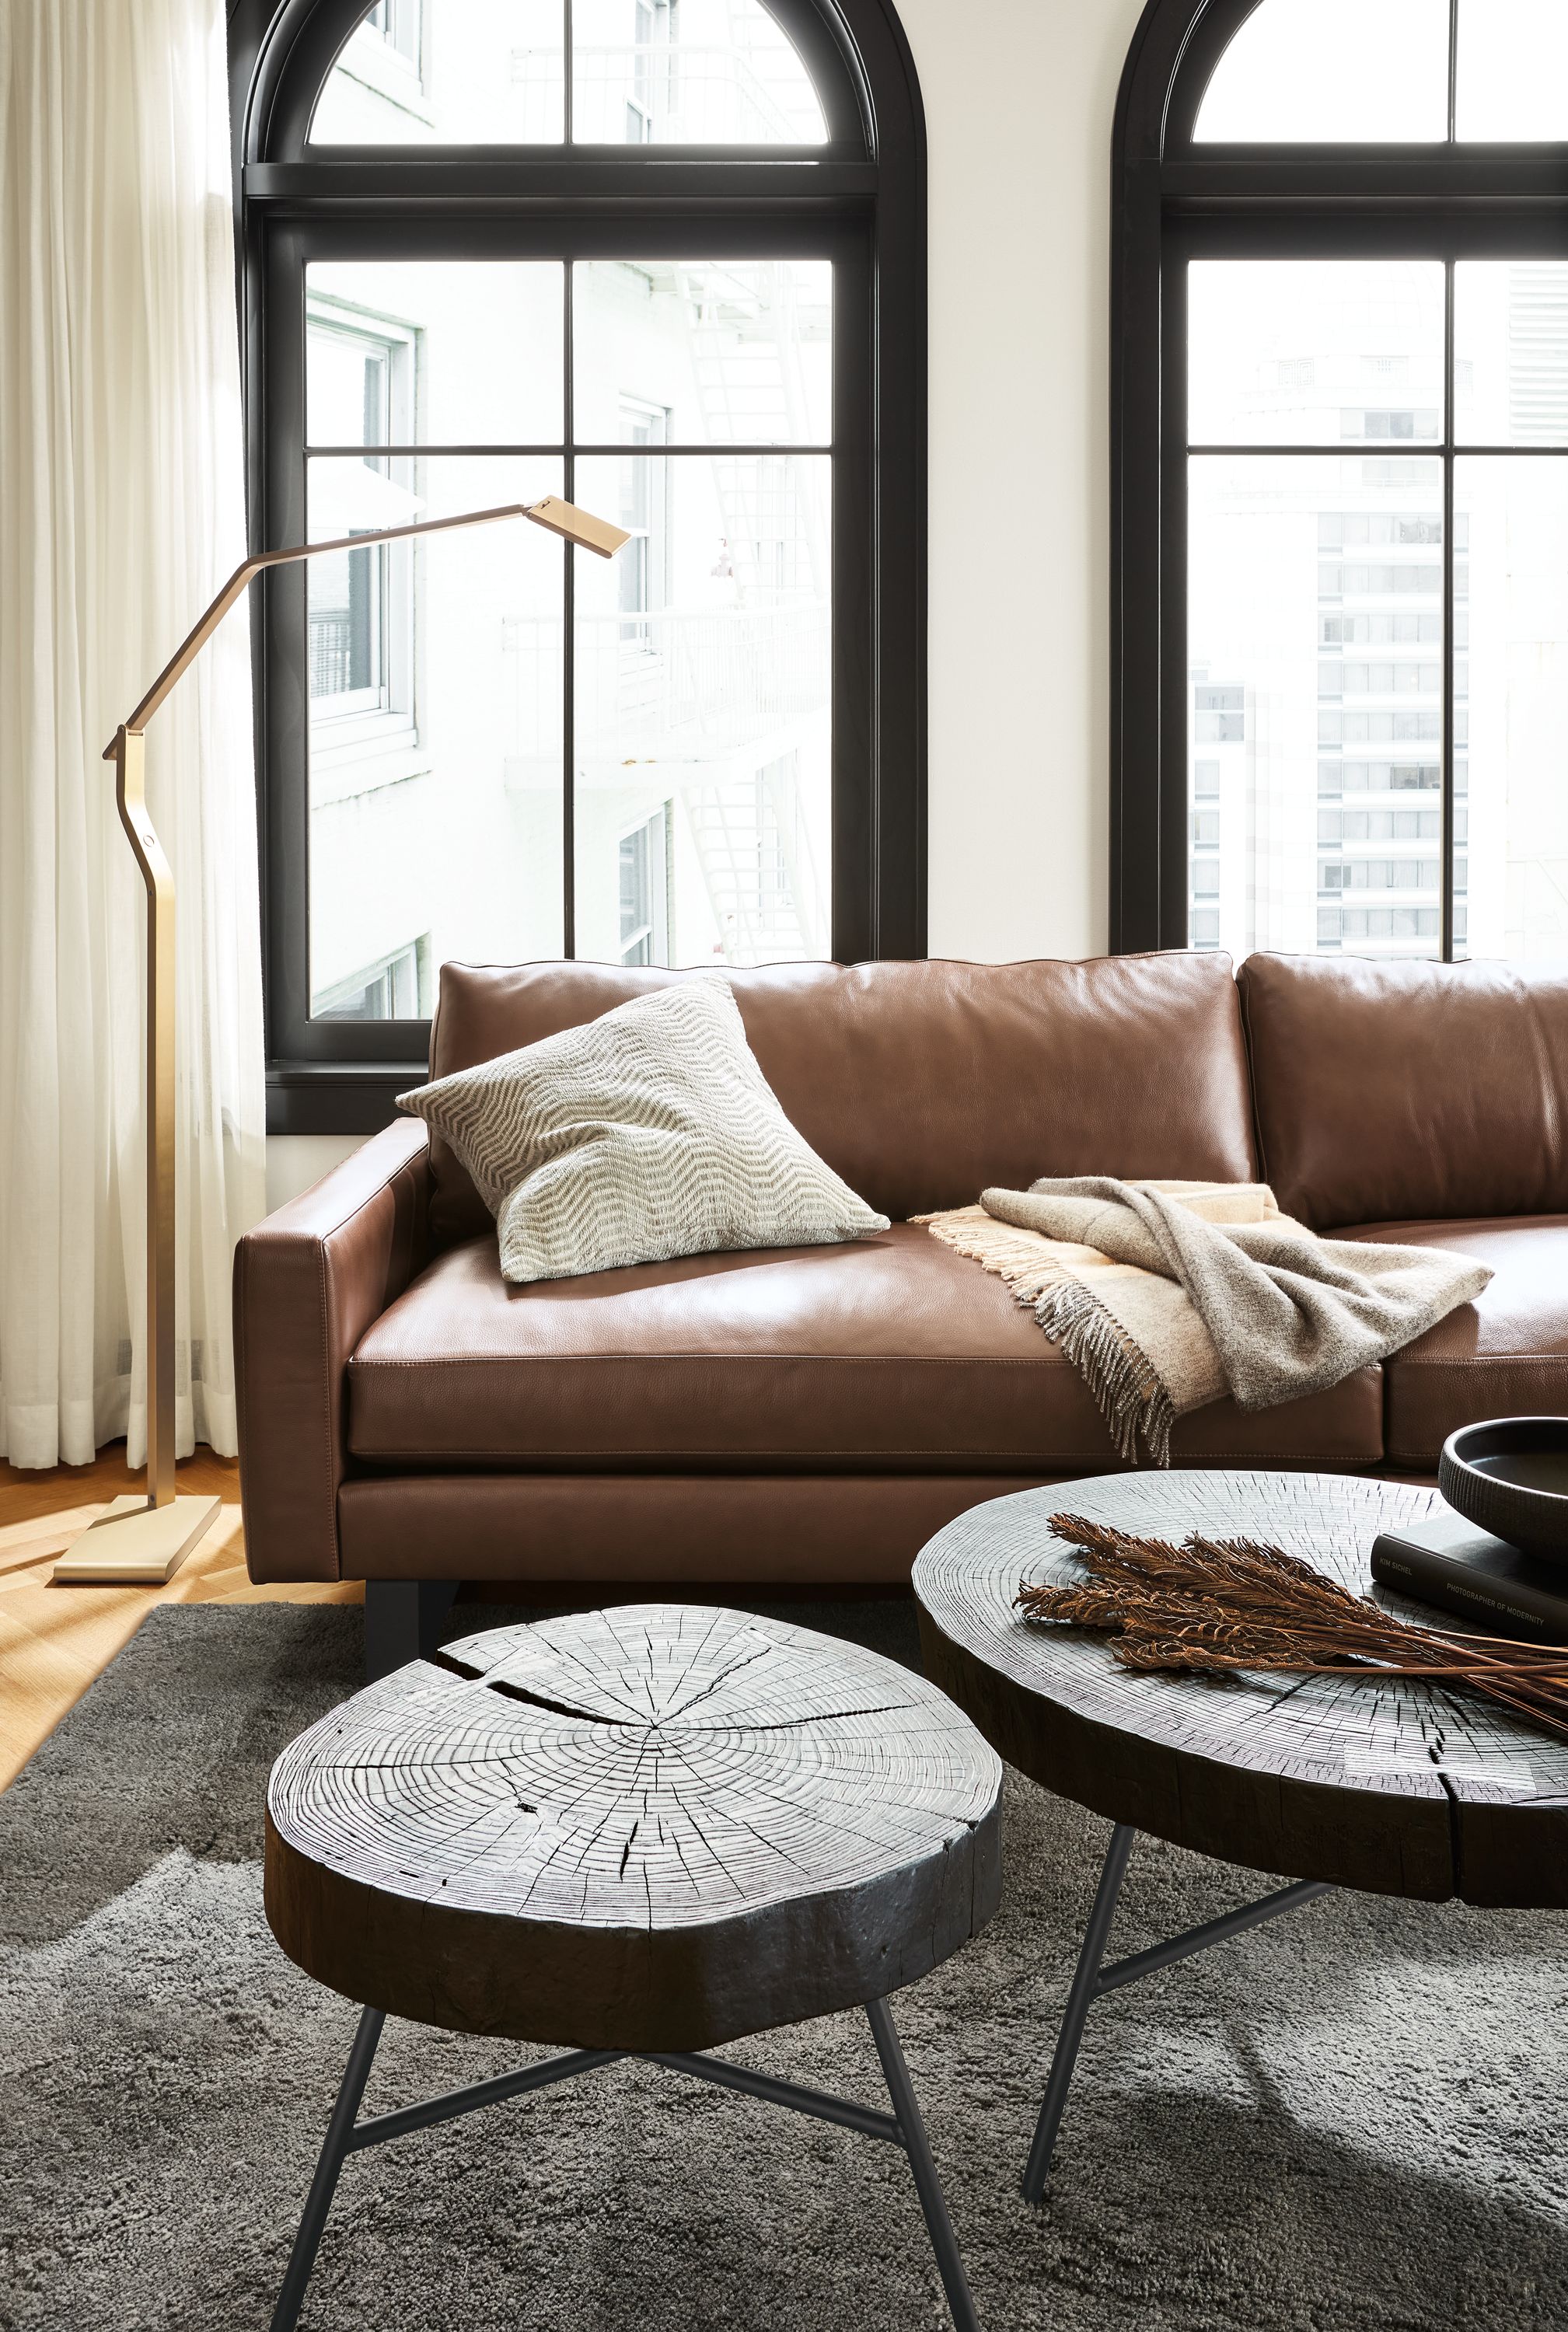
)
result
[(54, 1640)]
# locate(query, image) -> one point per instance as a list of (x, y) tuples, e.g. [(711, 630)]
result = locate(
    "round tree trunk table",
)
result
[(639, 1832), (1394, 1786)]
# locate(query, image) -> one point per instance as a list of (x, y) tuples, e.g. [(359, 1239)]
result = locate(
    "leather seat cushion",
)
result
[(892, 1353), (1504, 1355)]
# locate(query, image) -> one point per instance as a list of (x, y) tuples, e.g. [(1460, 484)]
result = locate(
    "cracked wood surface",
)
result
[(656, 1827), (1399, 1787)]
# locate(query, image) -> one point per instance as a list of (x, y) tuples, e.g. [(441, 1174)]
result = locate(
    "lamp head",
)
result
[(578, 526)]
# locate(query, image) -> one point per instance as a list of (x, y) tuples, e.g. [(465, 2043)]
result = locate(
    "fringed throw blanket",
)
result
[(1166, 1296)]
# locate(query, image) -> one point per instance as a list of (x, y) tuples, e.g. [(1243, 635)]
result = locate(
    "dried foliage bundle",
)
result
[(1212, 1604)]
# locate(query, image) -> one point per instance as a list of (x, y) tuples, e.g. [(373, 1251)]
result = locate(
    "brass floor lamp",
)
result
[(141, 1540)]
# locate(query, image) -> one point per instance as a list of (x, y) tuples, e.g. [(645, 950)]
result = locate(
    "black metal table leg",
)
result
[(1079, 2001), (318, 2202), (346, 2134), (906, 2113), (1093, 1978)]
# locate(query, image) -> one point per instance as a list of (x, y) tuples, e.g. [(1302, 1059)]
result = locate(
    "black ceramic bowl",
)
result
[(1510, 1476)]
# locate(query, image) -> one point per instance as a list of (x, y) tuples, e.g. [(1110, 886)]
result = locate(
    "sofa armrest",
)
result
[(308, 1283)]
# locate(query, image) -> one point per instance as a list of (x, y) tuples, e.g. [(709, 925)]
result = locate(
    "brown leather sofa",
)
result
[(815, 1414)]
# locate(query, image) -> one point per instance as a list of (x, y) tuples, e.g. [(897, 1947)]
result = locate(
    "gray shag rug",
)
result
[(1353, 2117)]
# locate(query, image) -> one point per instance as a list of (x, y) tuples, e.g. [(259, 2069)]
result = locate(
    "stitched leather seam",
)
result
[(1546, 1083), (696, 1456), (327, 1401), (717, 1360), (331, 1230), (1051, 1358), (243, 1376), (1033, 1458), (322, 1242), (859, 1466), (1248, 1055)]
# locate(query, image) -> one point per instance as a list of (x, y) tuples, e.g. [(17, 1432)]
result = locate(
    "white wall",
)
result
[(295, 1160), (1019, 96)]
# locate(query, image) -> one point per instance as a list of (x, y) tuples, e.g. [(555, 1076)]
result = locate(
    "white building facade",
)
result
[(472, 699)]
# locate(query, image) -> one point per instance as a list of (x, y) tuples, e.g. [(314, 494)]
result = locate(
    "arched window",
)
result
[(1340, 486), (665, 257)]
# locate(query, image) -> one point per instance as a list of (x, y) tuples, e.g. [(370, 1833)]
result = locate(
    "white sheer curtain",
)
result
[(121, 512)]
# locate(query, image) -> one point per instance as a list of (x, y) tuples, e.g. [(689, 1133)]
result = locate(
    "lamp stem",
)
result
[(138, 1541), (131, 795)]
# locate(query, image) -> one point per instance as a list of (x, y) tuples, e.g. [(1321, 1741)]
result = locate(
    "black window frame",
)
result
[(1174, 201), (859, 200)]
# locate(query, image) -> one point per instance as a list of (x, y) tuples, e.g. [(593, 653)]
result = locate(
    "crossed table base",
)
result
[(346, 2134), (646, 1831), (1395, 1787)]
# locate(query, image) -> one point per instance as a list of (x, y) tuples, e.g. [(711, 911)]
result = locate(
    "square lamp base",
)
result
[(135, 1545)]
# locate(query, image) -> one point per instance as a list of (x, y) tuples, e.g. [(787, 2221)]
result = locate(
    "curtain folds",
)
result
[(121, 511)]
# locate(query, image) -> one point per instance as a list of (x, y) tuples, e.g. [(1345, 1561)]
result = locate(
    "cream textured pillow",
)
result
[(648, 1134)]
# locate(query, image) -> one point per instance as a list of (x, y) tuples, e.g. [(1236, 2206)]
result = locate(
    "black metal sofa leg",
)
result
[(403, 1620)]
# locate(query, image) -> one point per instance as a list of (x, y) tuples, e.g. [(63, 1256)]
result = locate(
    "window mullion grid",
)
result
[(1447, 918), (461, 202), (760, 449), (1445, 450)]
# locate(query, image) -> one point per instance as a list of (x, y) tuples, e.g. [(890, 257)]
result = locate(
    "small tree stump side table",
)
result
[(1394, 1787), (641, 1832)]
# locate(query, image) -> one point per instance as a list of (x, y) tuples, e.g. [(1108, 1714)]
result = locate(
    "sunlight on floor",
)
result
[(54, 1640)]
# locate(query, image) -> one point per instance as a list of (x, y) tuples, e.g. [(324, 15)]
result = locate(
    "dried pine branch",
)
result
[(1208, 1606)]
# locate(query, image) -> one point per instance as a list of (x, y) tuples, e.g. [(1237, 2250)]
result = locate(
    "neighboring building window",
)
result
[(359, 376), (710, 752), (398, 22), (645, 890), (643, 565), (1342, 415), (396, 987)]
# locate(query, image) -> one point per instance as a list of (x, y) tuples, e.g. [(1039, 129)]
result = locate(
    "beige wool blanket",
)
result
[(1167, 1296)]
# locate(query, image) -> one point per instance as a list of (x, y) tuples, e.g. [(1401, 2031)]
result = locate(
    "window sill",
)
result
[(337, 1096), (343, 777)]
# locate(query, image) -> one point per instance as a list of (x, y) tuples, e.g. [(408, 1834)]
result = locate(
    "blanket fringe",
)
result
[(1128, 1392), (1125, 1386)]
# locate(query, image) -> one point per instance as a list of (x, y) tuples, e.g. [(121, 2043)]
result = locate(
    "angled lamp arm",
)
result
[(565, 519), (146, 1540)]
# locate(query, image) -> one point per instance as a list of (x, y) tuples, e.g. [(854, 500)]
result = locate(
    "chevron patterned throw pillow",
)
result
[(648, 1134)]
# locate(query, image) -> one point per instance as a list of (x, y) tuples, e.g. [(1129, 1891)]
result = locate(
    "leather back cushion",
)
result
[(1391, 1092), (921, 1083)]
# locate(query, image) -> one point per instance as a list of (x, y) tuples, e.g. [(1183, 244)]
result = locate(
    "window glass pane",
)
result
[(1511, 782), (1512, 80), (702, 352), (1314, 653), (702, 711), (1315, 352), (1511, 352), (436, 732), (688, 72), (446, 352), (1333, 71), (448, 73)]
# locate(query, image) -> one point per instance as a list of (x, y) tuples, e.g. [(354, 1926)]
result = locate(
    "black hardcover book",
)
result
[(1448, 1562)]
